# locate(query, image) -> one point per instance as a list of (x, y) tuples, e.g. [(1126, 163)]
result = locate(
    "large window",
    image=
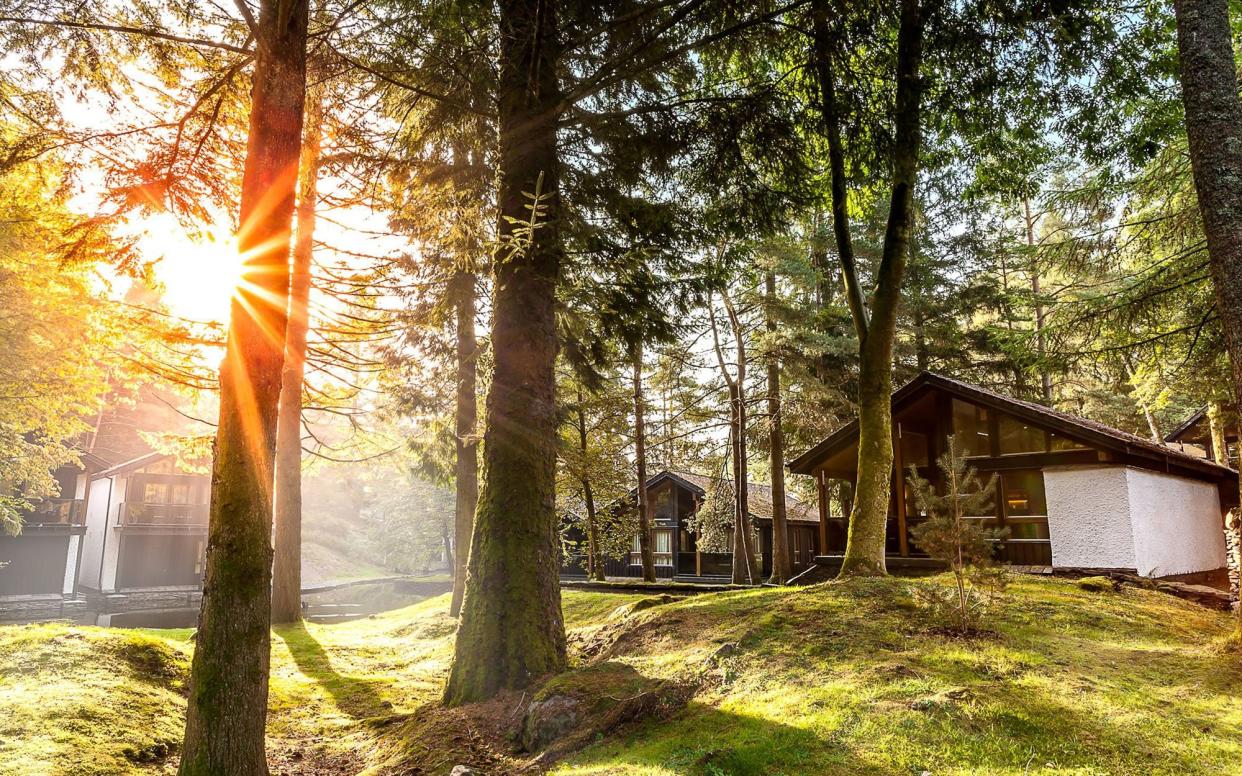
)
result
[(663, 509), (1018, 437), (1026, 508), (661, 548), (913, 449), (972, 428)]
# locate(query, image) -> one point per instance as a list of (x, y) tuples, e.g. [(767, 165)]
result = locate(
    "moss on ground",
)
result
[(839, 678), (88, 700)]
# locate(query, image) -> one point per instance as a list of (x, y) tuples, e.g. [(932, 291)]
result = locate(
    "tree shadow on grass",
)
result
[(702, 740), (357, 697)]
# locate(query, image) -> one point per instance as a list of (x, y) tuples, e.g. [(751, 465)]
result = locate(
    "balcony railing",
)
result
[(55, 511), (136, 513)]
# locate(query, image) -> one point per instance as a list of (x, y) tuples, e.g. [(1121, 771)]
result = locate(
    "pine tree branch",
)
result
[(128, 30)]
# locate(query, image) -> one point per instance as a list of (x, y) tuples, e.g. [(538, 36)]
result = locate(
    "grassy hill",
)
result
[(845, 678)]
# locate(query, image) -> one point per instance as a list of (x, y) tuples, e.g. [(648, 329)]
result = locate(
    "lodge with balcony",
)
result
[(146, 527), (42, 559)]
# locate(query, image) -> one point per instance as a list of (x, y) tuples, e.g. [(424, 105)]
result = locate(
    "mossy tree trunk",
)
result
[(1216, 430), (640, 462), (782, 563), (227, 705), (287, 533), (465, 431), (864, 551), (1214, 129), (511, 630)]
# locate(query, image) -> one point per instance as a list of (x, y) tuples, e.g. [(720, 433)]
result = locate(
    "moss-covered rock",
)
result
[(1096, 584), (642, 604)]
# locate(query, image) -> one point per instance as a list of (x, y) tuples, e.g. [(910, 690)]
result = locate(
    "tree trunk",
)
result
[(640, 461), (1041, 345), (782, 563), (227, 705), (511, 630), (595, 563), (287, 534), (864, 551), (1153, 426), (1216, 429), (446, 542), (922, 354), (1214, 129), (744, 571), (465, 433)]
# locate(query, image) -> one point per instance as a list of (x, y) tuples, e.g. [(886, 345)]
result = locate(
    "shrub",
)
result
[(965, 545)]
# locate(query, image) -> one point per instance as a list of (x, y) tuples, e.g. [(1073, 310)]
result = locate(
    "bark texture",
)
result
[(782, 563), (864, 552), (640, 462), (466, 418), (287, 533), (511, 630), (227, 705), (1214, 129)]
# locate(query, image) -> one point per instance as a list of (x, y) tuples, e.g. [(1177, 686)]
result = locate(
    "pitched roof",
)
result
[(758, 495), (1176, 434), (1094, 433), (130, 465)]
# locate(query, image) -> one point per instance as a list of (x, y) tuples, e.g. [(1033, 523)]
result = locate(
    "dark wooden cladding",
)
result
[(674, 500), (33, 563)]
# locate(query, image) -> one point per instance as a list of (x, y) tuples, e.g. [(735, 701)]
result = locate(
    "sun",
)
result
[(199, 270)]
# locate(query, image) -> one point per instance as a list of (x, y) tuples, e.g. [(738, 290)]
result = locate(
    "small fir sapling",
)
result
[(951, 535)]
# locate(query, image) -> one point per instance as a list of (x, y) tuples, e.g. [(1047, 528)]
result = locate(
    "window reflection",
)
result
[(913, 449), (1024, 493), (1018, 437), (1057, 442), (972, 428)]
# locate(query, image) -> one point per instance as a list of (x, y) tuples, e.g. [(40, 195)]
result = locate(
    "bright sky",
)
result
[(199, 271), (199, 266)]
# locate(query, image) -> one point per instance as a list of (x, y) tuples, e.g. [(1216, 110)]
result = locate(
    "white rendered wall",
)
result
[(71, 565), (1178, 524), (1089, 517), (1123, 517), (99, 553), (92, 539)]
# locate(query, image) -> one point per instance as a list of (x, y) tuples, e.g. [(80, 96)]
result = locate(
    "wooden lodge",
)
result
[(1071, 492), (675, 499), (43, 561), (1194, 436), (146, 527)]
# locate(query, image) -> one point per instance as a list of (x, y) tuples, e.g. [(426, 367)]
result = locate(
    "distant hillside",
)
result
[(838, 678)]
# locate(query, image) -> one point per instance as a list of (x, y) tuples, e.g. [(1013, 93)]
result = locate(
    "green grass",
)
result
[(835, 679)]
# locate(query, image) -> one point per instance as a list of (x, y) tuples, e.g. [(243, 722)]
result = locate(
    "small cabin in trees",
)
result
[(1194, 435), (42, 562), (1072, 492), (145, 527), (675, 498)]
